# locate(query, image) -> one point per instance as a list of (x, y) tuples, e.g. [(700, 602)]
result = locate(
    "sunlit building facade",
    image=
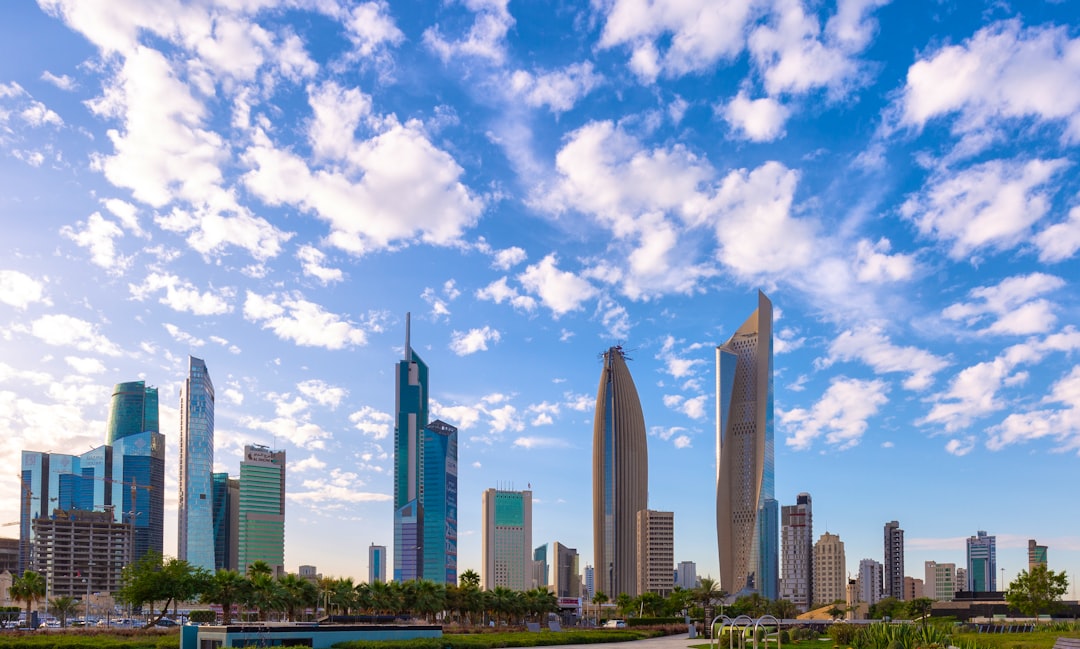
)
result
[(138, 488), (620, 477), (261, 521), (746, 510), (655, 552), (1036, 554), (226, 521), (195, 508), (133, 410), (830, 570), (506, 540), (982, 563)]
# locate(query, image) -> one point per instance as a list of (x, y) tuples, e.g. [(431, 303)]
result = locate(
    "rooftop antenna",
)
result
[(408, 347)]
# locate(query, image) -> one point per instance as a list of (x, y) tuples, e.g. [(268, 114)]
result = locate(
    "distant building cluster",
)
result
[(83, 518)]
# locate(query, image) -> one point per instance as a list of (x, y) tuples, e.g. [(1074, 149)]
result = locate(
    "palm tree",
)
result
[(624, 604), (428, 598), (226, 588), (599, 599), (297, 593), (469, 578), (264, 594), (63, 607), (29, 588)]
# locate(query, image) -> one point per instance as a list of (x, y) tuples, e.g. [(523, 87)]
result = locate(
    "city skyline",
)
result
[(273, 190)]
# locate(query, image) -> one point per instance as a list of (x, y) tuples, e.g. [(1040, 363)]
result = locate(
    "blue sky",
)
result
[(271, 186)]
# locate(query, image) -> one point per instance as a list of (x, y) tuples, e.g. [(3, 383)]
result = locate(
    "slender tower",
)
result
[(745, 505), (620, 477), (195, 509), (412, 419)]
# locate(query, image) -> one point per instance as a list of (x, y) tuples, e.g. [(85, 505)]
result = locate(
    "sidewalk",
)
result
[(681, 641)]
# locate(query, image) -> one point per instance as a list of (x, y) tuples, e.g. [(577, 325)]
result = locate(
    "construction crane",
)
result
[(134, 485)]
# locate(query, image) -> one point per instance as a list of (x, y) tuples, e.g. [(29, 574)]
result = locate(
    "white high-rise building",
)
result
[(686, 577), (797, 550), (869, 581), (506, 542), (940, 581)]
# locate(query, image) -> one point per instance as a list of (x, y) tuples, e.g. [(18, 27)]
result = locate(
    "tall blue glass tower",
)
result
[(438, 502), (746, 511), (195, 542), (412, 419), (138, 488), (134, 410)]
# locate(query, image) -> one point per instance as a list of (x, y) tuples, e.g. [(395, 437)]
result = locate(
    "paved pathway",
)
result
[(681, 641)]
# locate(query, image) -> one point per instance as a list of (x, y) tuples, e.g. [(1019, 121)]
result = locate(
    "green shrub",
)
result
[(203, 617), (784, 637), (843, 634)]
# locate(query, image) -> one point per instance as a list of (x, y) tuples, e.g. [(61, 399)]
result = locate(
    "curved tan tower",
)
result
[(620, 477)]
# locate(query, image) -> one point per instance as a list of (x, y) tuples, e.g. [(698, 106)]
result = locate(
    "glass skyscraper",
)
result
[(746, 510), (438, 503), (226, 516), (134, 410), (981, 563), (195, 540), (138, 488), (412, 418), (620, 477), (261, 525)]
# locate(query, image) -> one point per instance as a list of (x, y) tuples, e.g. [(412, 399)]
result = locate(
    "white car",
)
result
[(615, 624)]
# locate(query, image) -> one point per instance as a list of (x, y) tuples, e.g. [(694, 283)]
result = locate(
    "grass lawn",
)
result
[(1032, 640)]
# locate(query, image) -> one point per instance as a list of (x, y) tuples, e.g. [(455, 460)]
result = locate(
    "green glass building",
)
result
[(261, 521), (134, 410)]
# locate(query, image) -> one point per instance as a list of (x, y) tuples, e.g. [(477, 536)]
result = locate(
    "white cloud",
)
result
[(1060, 241), (499, 291), (181, 295), (322, 392), (97, 235), (1002, 72), (291, 317), (182, 336), (1061, 423), (960, 446), (127, 213), (68, 331), (989, 205), (507, 258), (675, 363), (19, 290), (872, 346), (534, 442), (373, 423), (392, 190), (559, 290), (874, 265), (485, 38), (559, 90), (210, 232), (310, 463), (311, 261), (840, 415), (468, 342), (303, 434), (758, 120), (614, 317), (85, 365), (1012, 304), (336, 486), (63, 81), (370, 27), (787, 340)]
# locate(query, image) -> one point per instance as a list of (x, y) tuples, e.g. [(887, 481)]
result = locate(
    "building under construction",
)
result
[(81, 552)]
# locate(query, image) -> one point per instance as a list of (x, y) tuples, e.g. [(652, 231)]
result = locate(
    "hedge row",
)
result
[(88, 640), (497, 640)]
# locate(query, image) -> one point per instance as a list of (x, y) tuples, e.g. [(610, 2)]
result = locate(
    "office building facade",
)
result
[(565, 580), (830, 570), (982, 563), (893, 577), (590, 582), (226, 522), (868, 581), (539, 577), (797, 541), (655, 552), (138, 487), (261, 520), (746, 512), (1036, 555), (438, 498), (939, 581), (686, 575), (506, 540), (620, 476), (195, 506), (376, 560), (133, 410)]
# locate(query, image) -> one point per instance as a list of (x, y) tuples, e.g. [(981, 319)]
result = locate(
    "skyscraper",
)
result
[(869, 581), (565, 580), (1036, 555), (746, 520), (376, 559), (438, 503), (539, 577), (138, 487), (655, 552), (686, 575), (226, 521), (261, 522), (797, 540), (134, 410), (506, 540), (195, 539), (981, 563), (830, 569), (892, 581), (620, 477), (412, 417)]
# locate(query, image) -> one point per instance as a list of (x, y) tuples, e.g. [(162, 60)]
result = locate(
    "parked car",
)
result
[(166, 622), (615, 624)]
